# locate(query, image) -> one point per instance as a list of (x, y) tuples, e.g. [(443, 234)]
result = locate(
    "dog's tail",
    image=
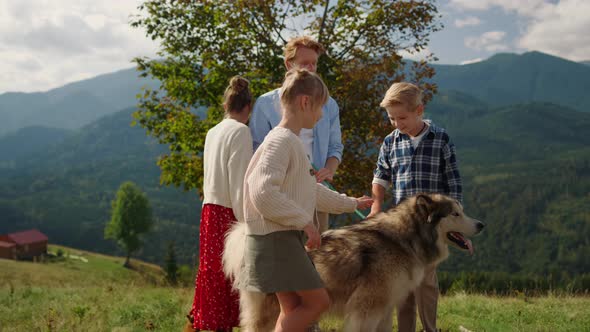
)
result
[(233, 255)]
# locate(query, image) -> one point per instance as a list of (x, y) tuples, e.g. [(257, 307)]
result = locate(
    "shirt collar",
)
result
[(430, 131)]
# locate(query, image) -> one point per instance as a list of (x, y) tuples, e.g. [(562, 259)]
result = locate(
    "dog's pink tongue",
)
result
[(469, 246)]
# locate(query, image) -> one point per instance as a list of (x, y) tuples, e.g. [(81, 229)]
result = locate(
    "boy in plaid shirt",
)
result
[(416, 157)]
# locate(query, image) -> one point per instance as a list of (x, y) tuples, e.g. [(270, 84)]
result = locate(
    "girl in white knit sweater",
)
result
[(280, 198)]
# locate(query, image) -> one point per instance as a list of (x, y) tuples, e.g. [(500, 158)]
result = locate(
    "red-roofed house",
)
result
[(23, 245), (7, 250)]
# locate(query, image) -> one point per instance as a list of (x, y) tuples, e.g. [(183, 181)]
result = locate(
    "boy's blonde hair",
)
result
[(237, 95), (290, 50), (303, 82), (403, 93)]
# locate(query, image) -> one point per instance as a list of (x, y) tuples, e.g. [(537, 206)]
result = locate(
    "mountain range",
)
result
[(506, 79), (524, 157), (73, 105)]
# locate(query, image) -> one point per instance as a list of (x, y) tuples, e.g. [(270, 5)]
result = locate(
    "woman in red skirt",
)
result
[(228, 149)]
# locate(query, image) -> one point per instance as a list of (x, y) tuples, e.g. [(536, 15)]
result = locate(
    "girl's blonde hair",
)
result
[(403, 93), (303, 82), (237, 95), (304, 41)]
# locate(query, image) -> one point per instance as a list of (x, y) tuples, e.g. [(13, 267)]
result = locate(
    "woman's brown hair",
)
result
[(237, 95)]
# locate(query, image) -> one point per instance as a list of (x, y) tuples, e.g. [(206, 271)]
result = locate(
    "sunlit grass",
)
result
[(101, 295)]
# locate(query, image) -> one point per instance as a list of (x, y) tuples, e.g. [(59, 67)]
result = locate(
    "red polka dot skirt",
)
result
[(216, 305)]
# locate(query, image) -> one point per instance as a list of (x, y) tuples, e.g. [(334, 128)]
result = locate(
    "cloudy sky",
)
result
[(47, 43)]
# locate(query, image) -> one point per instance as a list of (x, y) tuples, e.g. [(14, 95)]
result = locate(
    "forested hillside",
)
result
[(526, 170)]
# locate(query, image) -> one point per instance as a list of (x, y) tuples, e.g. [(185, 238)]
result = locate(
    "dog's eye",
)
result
[(455, 214)]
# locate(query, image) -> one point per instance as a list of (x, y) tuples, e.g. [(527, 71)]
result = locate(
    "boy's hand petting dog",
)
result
[(314, 240), (364, 202)]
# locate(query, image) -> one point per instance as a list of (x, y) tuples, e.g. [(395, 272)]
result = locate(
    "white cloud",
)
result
[(562, 31), (557, 27), (416, 56), (490, 41), (521, 7), (468, 62), (47, 43), (468, 21)]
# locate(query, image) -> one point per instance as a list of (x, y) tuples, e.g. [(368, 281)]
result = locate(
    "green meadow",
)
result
[(84, 291)]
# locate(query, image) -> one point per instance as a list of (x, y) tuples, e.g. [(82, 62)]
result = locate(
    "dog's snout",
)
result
[(480, 226)]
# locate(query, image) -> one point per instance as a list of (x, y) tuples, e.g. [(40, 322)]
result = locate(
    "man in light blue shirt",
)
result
[(323, 143)]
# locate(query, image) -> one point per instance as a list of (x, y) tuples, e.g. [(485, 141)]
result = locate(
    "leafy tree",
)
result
[(171, 267), (131, 216), (204, 43)]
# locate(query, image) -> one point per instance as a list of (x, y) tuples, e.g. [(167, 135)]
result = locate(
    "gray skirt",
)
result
[(278, 262)]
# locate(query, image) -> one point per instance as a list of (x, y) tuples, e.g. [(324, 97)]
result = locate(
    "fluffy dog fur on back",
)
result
[(367, 268)]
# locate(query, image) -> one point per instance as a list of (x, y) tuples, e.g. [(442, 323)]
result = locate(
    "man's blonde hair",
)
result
[(303, 41), (303, 82), (403, 93)]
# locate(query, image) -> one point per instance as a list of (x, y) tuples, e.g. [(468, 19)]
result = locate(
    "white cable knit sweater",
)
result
[(280, 189)]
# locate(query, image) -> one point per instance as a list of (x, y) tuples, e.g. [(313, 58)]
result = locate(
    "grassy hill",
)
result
[(93, 292), (66, 190), (90, 292)]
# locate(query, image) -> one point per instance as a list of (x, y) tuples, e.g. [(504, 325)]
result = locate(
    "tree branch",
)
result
[(320, 36)]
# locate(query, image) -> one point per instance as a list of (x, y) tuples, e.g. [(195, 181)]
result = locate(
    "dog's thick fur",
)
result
[(367, 268)]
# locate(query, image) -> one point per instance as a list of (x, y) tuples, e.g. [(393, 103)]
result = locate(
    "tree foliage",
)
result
[(170, 265), (131, 216), (204, 43)]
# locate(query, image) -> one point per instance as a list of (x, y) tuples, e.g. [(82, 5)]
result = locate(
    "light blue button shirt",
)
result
[(327, 138)]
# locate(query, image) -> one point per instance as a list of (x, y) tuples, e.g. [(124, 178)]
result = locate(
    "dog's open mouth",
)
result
[(461, 242)]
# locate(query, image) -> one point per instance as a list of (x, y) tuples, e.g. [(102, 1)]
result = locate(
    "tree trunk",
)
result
[(127, 264)]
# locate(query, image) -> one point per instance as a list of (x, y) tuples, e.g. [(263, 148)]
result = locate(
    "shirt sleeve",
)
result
[(239, 158), (333, 202), (335, 146), (259, 122), (264, 185), (451, 176), (382, 173)]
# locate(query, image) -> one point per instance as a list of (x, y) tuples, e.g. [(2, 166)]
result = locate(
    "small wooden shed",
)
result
[(23, 245)]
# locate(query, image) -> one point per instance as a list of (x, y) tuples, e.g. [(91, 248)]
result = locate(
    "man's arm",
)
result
[(335, 146), (259, 124), (327, 173)]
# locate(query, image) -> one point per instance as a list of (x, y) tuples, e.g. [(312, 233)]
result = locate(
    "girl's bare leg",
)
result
[(300, 309)]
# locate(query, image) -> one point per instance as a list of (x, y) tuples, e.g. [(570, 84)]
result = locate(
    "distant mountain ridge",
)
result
[(506, 79), (525, 165), (72, 105), (28, 141)]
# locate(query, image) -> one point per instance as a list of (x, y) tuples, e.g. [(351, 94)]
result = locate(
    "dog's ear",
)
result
[(424, 204), (439, 211)]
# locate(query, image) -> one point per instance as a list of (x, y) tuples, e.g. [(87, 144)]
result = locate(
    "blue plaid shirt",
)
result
[(431, 167)]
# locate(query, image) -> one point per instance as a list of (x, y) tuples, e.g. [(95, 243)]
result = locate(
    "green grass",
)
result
[(489, 313), (101, 295)]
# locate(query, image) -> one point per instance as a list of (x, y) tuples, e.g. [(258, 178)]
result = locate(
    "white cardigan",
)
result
[(228, 149)]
